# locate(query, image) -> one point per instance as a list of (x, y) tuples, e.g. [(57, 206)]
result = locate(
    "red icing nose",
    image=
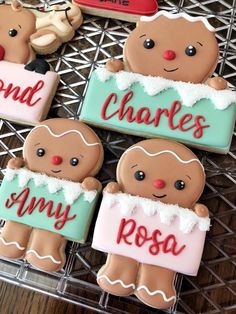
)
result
[(2, 52), (159, 184), (169, 55), (56, 160)]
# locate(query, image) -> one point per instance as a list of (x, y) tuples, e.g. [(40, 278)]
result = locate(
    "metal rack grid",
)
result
[(214, 289)]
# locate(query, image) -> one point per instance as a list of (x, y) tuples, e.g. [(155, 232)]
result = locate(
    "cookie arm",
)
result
[(16, 163), (113, 187), (201, 210), (91, 184), (114, 65), (218, 83)]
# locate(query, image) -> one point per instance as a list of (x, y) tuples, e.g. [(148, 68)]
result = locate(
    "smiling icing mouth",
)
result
[(56, 171), (161, 196), (171, 70)]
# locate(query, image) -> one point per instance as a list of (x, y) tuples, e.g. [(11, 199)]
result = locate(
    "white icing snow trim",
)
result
[(21, 248), (65, 133), (174, 16), (114, 282), (167, 212), (152, 293), (189, 93), (71, 190), (44, 257)]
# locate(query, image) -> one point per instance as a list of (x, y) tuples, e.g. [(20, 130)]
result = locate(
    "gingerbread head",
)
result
[(161, 170), (64, 149), (17, 25), (173, 46)]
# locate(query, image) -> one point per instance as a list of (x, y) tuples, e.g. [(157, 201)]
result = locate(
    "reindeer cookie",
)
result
[(150, 222), (55, 26), (164, 86), (27, 85), (49, 196)]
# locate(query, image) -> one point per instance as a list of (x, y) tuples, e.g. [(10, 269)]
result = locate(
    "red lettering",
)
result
[(29, 92), (132, 234), (199, 131), (23, 96), (124, 235), (111, 97), (12, 90), (61, 216), (18, 199), (159, 112), (59, 224), (143, 115), (170, 245), (146, 119), (129, 111), (175, 108)]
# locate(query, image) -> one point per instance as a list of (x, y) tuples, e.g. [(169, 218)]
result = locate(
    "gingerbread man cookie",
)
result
[(164, 86), (49, 196), (156, 227), (27, 85)]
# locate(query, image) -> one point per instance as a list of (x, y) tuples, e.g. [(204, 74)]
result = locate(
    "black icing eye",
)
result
[(179, 185), (40, 152), (74, 161), (149, 44), (12, 32), (139, 175), (190, 51)]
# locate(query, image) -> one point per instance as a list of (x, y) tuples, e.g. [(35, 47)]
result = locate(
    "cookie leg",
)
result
[(155, 286), (118, 276), (46, 250), (14, 239)]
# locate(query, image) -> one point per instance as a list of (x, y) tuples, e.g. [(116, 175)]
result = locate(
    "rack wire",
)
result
[(213, 291)]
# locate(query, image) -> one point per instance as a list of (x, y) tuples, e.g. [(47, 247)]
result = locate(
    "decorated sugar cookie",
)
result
[(127, 10), (150, 223), (55, 25), (164, 86), (27, 85), (49, 196)]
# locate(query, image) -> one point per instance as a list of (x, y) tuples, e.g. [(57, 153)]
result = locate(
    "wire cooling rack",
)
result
[(214, 289)]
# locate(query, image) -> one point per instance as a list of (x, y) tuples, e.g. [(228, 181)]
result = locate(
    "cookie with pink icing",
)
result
[(156, 227), (27, 85), (49, 196)]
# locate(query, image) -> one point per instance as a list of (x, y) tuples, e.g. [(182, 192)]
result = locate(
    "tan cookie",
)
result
[(157, 181), (61, 158)]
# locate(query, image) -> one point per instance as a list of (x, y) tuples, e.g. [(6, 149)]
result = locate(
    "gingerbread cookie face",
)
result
[(174, 46), (16, 26), (161, 170), (63, 149)]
